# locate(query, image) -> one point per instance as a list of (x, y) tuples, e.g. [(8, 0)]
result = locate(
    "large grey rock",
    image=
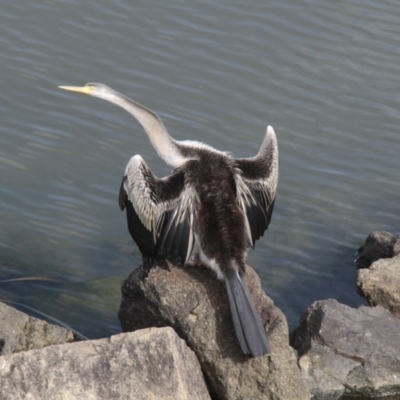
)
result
[(379, 244), (349, 352), (380, 284), (149, 364), (19, 332), (195, 304)]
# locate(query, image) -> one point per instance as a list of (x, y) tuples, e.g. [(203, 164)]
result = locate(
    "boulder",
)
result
[(19, 332), (149, 364), (380, 284), (379, 244), (195, 304), (349, 352)]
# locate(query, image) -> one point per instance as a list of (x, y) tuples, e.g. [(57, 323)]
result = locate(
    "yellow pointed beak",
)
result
[(83, 89)]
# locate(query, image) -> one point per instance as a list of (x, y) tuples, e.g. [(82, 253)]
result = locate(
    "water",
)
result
[(324, 74)]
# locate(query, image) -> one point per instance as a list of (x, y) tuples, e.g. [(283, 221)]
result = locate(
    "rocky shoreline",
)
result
[(180, 344)]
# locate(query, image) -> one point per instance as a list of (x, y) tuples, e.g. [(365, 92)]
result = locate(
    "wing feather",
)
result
[(256, 183), (158, 211)]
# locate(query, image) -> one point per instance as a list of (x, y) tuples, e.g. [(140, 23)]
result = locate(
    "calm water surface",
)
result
[(324, 74)]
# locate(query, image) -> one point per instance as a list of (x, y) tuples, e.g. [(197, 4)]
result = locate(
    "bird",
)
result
[(209, 211)]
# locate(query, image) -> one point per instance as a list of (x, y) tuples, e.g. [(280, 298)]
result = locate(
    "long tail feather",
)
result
[(248, 327)]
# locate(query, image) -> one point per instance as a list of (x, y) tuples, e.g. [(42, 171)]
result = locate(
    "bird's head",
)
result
[(92, 89)]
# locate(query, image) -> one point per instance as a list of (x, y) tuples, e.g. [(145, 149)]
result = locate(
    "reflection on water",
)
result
[(323, 74)]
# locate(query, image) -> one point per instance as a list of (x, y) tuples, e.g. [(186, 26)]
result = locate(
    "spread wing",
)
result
[(256, 183), (159, 211)]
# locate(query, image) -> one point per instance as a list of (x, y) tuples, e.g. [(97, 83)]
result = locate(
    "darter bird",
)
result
[(208, 211)]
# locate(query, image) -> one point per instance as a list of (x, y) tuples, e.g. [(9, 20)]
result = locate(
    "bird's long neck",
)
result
[(166, 147)]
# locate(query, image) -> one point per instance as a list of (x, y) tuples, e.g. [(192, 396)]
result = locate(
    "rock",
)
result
[(380, 284), (149, 364), (379, 244), (349, 352), (195, 304), (19, 332)]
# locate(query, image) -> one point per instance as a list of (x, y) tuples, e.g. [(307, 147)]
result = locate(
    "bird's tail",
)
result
[(248, 327)]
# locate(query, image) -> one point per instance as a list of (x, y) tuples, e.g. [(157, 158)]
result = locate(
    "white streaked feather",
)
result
[(244, 198), (140, 195), (267, 186), (151, 211), (191, 240)]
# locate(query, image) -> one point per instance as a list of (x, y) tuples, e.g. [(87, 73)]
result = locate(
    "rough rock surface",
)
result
[(19, 332), (379, 244), (150, 364), (349, 352), (195, 304), (380, 284)]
